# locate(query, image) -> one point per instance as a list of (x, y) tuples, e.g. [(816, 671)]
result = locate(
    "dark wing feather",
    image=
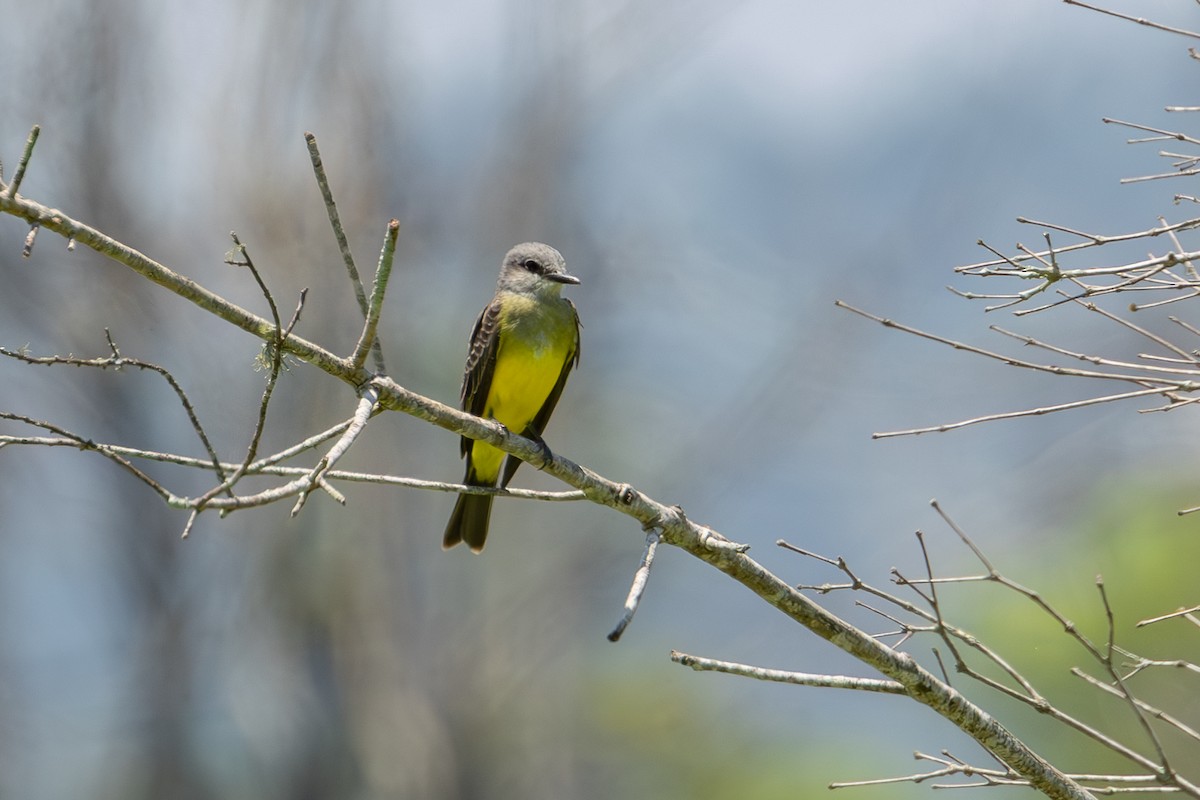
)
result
[(481, 365), (543, 416)]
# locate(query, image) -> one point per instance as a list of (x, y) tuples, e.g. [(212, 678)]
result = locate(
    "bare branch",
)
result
[(1016, 263), (30, 238), (268, 466), (339, 234), (952, 766), (58, 222), (275, 351), (785, 676), (1138, 20), (1029, 412), (368, 340), (15, 185), (1161, 134), (950, 635), (1142, 706), (86, 444), (366, 407), (1123, 691), (1174, 614), (117, 361), (638, 588)]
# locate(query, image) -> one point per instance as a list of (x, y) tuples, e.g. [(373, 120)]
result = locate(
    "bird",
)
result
[(523, 346)]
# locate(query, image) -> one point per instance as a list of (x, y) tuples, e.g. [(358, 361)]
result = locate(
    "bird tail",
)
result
[(469, 522)]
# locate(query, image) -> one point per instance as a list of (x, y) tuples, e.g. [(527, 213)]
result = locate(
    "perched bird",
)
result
[(522, 347)]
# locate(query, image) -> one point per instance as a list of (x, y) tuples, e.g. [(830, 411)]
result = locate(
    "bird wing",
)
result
[(481, 365)]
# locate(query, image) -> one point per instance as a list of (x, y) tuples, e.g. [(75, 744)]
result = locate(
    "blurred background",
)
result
[(717, 173)]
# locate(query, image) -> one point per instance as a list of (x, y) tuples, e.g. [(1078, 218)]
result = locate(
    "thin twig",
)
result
[(339, 234), (1100, 361), (1165, 134), (1145, 707), (275, 352), (640, 577), (1138, 20), (87, 444), (19, 175), (1093, 240), (1173, 615), (1031, 694), (1029, 412), (268, 466), (117, 361), (786, 676), (1165, 767), (1073, 631), (1015, 362), (75, 231), (366, 407), (383, 271), (951, 766)]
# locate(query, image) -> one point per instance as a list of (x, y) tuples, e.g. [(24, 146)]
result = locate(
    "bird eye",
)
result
[(532, 265)]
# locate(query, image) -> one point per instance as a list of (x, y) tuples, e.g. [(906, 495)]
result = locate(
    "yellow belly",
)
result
[(528, 366)]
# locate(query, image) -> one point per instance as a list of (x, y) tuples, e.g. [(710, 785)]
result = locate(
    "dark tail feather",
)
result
[(469, 522)]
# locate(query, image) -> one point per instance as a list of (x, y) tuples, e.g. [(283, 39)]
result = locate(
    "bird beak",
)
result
[(561, 277)]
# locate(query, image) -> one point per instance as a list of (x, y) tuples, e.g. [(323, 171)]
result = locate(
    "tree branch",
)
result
[(786, 676)]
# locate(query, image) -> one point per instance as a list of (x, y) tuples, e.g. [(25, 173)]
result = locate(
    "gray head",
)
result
[(534, 268)]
